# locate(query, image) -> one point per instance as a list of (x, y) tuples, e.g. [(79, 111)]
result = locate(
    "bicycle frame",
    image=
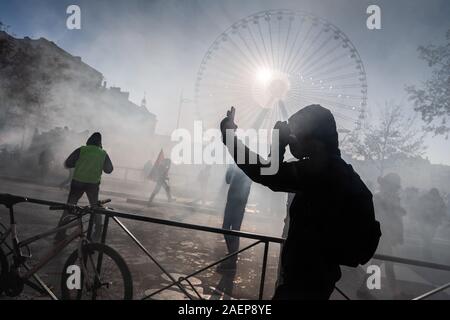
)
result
[(19, 259)]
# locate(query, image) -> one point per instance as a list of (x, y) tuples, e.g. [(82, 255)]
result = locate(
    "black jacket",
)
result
[(321, 194)]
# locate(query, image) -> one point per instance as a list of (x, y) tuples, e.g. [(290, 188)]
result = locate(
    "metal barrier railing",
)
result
[(418, 263), (266, 240), (115, 215)]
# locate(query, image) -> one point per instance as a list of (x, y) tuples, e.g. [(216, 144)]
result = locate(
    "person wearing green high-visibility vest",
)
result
[(88, 163)]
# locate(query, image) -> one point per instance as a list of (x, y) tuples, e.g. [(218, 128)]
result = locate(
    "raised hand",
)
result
[(228, 122)]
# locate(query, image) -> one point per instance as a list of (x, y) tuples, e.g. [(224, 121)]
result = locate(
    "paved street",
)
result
[(183, 251)]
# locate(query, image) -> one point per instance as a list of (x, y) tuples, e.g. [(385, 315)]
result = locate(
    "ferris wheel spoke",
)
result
[(238, 60), (286, 44), (268, 119), (325, 64), (233, 71), (231, 78), (333, 89), (240, 68), (225, 95), (307, 68), (326, 74), (271, 42), (294, 59), (280, 43), (262, 57), (233, 66), (221, 75), (231, 100), (264, 44), (337, 114), (248, 48), (244, 105), (259, 119), (284, 114), (344, 76), (322, 97), (329, 93), (247, 117), (331, 103), (277, 66), (310, 59), (301, 61), (244, 56), (308, 48), (291, 50)]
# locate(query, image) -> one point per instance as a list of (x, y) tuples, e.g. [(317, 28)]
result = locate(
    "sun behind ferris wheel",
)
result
[(274, 62)]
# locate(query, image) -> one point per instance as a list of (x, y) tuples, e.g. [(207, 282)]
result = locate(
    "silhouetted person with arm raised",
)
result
[(88, 162), (332, 220)]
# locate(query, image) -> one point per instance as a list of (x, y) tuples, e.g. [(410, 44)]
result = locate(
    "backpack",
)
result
[(356, 233)]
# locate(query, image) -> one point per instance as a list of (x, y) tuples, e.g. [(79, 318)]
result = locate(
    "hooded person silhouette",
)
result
[(332, 219)]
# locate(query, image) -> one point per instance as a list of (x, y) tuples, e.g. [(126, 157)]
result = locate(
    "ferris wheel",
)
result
[(272, 63)]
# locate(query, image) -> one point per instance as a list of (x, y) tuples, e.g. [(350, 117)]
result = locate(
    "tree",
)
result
[(390, 139), (432, 99), (4, 27)]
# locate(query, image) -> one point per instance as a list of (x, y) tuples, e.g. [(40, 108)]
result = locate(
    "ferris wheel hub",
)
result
[(278, 88), (270, 87)]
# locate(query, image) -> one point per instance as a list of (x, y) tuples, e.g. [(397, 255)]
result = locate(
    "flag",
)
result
[(156, 166)]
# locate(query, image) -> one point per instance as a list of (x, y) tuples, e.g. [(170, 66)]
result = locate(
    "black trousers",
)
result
[(306, 272), (305, 290), (77, 189), (161, 183), (232, 220)]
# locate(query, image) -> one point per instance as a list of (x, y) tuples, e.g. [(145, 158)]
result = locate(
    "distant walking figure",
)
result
[(237, 199), (161, 177), (45, 161), (331, 219), (388, 208), (432, 212), (89, 162)]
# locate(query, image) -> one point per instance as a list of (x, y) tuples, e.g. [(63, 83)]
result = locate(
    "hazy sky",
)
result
[(157, 46)]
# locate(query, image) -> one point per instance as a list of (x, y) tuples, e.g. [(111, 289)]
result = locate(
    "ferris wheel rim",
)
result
[(293, 13)]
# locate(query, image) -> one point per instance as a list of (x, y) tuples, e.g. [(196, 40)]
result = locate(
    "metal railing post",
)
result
[(141, 246), (263, 273)]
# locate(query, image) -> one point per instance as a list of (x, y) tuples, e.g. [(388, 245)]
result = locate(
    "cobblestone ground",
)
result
[(181, 252)]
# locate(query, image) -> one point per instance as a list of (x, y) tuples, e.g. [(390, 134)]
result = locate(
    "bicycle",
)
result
[(86, 273)]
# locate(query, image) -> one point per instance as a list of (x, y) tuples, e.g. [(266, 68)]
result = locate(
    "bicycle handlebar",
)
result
[(102, 202), (72, 207)]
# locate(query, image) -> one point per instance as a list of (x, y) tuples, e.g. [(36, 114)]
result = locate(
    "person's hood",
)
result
[(95, 140), (319, 123)]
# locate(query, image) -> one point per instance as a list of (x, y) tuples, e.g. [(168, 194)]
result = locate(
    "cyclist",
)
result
[(89, 162)]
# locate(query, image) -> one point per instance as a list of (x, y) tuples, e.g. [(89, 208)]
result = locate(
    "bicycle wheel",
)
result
[(3, 269), (111, 281)]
